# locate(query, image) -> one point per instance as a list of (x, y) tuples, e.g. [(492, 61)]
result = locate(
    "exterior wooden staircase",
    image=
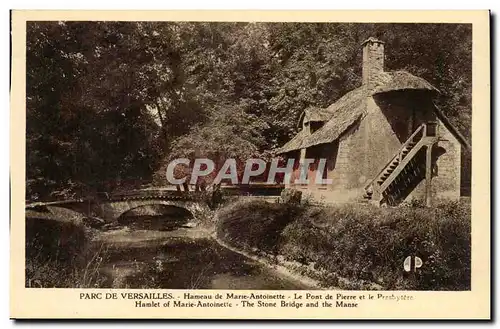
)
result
[(405, 170)]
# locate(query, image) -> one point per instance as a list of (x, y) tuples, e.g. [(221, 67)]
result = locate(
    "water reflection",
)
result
[(155, 217), (181, 259)]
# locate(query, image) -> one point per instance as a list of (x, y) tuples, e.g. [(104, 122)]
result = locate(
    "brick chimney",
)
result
[(373, 61)]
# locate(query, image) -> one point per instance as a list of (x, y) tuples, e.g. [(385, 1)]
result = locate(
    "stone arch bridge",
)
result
[(111, 207)]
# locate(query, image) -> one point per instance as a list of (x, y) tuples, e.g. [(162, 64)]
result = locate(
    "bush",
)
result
[(371, 243), (255, 224), (361, 242), (58, 253), (51, 239)]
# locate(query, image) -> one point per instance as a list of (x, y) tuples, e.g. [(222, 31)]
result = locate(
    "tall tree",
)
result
[(109, 102)]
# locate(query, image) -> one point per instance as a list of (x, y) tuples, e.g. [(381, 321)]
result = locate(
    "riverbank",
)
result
[(258, 245), (185, 258), (275, 265), (355, 246), (124, 257), (127, 238)]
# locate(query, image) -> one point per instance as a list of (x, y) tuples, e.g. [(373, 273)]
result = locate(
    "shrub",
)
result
[(255, 224), (368, 243), (50, 239), (58, 251), (52, 273), (360, 242)]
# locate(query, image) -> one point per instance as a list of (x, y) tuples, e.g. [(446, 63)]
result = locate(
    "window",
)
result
[(315, 125)]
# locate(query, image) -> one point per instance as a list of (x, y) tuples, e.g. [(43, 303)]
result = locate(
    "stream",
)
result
[(149, 257)]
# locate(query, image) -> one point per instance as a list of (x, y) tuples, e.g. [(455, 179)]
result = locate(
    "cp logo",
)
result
[(412, 263)]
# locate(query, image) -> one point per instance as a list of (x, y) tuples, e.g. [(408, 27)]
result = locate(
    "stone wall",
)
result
[(111, 211), (373, 61), (368, 146), (380, 144), (446, 173), (363, 150), (446, 155)]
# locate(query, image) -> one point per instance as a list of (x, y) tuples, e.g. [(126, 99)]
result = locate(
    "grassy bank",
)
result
[(354, 246), (59, 251)]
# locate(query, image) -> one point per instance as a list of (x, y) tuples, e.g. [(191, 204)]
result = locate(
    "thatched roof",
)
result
[(444, 119), (315, 114), (400, 80), (295, 143), (347, 110), (351, 107), (343, 113)]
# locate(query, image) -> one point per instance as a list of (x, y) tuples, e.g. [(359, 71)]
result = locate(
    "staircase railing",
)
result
[(402, 164), (399, 154)]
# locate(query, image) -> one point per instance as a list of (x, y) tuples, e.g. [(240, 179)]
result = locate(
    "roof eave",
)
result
[(452, 128)]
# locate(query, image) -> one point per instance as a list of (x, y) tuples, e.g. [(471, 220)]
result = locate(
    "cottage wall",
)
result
[(401, 119), (363, 150), (446, 171), (406, 111), (338, 170), (367, 147), (382, 141)]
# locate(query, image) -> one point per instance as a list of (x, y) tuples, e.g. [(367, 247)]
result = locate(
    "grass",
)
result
[(359, 243), (59, 254), (255, 224), (54, 273)]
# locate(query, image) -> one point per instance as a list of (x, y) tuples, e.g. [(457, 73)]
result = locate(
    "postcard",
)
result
[(250, 165)]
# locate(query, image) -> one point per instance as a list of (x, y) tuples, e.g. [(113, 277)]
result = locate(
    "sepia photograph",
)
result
[(250, 165), (228, 155)]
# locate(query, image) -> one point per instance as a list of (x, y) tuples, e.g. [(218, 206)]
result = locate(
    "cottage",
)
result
[(385, 141)]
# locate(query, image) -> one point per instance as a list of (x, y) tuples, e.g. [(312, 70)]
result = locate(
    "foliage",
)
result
[(360, 243), (59, 255), (56, 274), (230, 133), (372, 244), (109, 102), (254, 224)]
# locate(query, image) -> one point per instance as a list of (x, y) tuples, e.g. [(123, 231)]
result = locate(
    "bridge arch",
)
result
[(113, 210), (157, 217)]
